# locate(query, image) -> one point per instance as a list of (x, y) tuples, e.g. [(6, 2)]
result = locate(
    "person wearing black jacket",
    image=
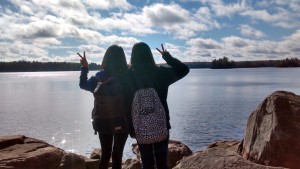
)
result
[(108, 121), (143, 73)]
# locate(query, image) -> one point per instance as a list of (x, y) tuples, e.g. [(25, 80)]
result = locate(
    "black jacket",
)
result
[(160, 78)]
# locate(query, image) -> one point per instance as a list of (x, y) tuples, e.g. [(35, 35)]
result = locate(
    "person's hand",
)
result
[(163, 51), (83, 60)]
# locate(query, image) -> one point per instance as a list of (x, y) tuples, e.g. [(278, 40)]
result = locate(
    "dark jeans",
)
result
[(155, 154), (112, 145)]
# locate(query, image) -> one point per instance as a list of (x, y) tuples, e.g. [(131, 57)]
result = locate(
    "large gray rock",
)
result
[(272, 135), (76, 161), (131, 164), (231, 145), (20, 152), (72, 161), (96, 153), (176, 151), (91, 163)]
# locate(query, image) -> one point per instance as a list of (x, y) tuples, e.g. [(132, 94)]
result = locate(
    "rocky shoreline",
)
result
[(271, 141)]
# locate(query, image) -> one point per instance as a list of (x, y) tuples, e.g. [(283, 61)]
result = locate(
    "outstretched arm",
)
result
[(84, 82), (178, 69)]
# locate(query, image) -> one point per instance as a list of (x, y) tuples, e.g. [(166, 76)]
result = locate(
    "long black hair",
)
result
[(142, 58), (114, 60)]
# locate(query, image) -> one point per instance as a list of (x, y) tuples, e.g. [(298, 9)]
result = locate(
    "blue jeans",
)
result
[(155, 154)]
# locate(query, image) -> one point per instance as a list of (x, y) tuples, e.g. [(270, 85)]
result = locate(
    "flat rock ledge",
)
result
[(219, 155), (271, 141), (21, 152)]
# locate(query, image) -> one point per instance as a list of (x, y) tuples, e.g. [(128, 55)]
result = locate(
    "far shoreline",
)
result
[(222, 63)]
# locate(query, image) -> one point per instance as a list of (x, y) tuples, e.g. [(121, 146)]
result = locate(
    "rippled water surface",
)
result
[(205, 106)]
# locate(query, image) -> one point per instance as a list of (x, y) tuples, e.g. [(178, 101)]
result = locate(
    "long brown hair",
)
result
[(114, 60)]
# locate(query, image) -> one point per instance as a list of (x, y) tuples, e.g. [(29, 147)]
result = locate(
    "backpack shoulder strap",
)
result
[(102, 82)]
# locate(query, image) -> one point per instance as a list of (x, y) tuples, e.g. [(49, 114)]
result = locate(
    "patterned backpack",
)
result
[(148, 117)]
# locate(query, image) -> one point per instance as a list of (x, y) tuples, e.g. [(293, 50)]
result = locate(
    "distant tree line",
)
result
[(225, 63), (293, 62), (27, 66), (195, 65), (222, 63)]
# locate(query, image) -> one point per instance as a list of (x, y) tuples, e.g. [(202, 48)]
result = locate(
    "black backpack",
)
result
[(108, 115)]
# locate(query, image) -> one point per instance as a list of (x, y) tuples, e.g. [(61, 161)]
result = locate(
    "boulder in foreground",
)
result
[(272, 135), (20, 152)]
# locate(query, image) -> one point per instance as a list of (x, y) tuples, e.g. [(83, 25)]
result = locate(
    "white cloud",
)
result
[(292, 43), (235, 41), (159, 18), (38, 29), (292, 4), (222, 9), (280, 17), (249, 31), (238, 49), (204, 43), (45, 42), (17, 50), (160, 14), (205, 18), (108, 4), (130, 23), (172, 19), (25, 8), (91, 49), (179, 22)]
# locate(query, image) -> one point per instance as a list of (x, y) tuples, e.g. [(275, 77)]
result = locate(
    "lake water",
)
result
[(205, 106)]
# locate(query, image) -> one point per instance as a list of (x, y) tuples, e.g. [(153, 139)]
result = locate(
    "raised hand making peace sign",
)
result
[(163, 50), (83, 60)]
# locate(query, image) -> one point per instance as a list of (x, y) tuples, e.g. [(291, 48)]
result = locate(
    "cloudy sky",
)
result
[(192, 30)]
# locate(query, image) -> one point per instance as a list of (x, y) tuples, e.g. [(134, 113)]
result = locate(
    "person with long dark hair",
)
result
[(142, 74), (108, 113)]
